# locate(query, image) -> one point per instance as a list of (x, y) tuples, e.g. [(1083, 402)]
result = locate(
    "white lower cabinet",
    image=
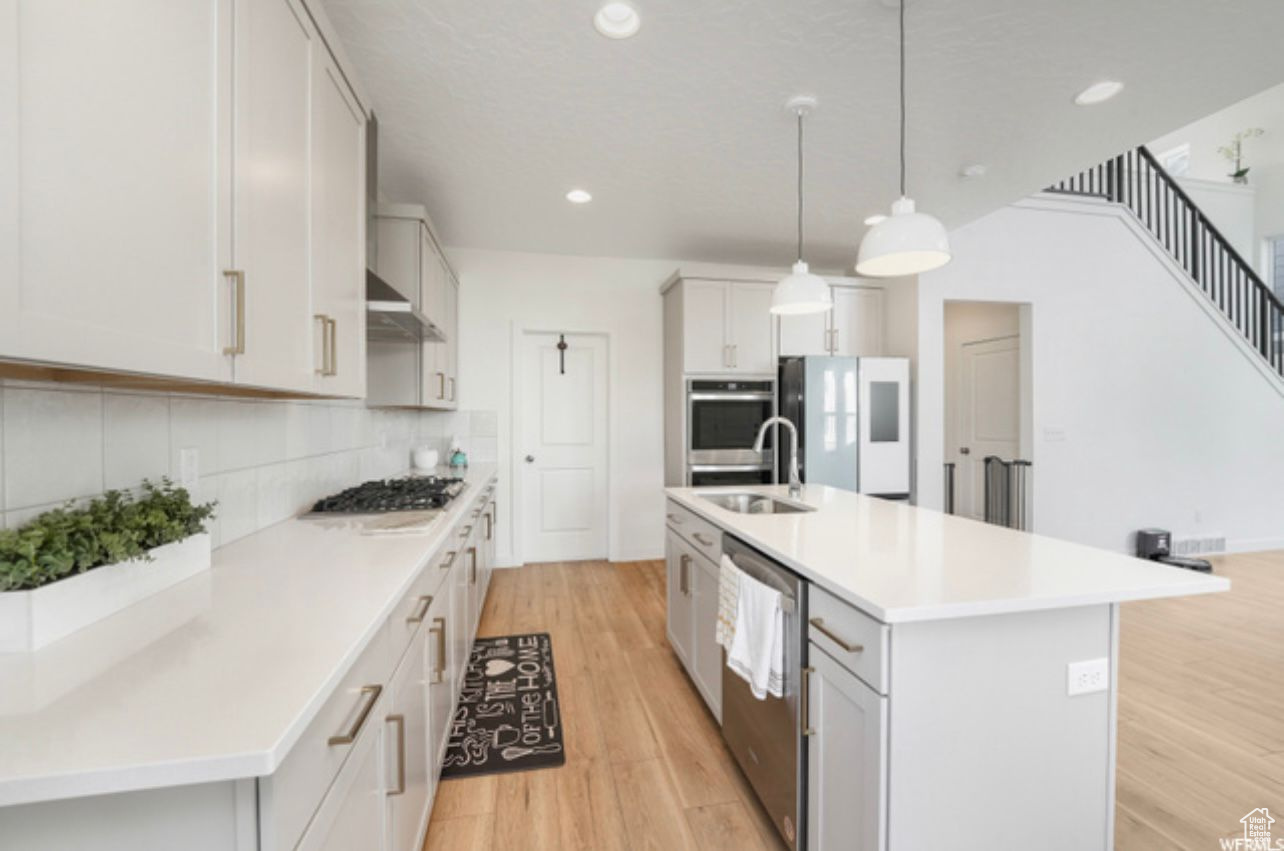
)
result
[(693, 617), (846, 759), (352, 813), (441, 695), (406, 726)]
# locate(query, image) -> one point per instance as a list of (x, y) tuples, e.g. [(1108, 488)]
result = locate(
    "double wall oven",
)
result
[(723, 418)]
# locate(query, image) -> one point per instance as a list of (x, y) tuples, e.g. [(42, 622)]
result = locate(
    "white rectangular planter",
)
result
[(31, 619)]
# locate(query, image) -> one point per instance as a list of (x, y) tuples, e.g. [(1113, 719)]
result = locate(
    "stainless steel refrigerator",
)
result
[(853, 419)]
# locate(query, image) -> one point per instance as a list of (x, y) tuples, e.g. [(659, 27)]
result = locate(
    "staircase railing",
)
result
[(1137, 180)]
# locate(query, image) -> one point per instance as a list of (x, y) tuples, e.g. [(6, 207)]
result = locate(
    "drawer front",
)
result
[(856, 640), (705, 537), (411, 613), (293, 792)]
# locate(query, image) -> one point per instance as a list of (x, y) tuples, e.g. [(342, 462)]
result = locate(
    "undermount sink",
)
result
[(754, 503)]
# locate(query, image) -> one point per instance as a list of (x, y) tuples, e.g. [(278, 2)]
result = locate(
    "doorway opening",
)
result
[(561, 452), (988, 411)]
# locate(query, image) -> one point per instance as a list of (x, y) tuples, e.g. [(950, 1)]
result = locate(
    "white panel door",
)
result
[(704, 326), (563, 447), (274, 44), (338, 176), (846, 759), (113, 183), (407, 779), (857, 322), (989, 415), (749, 316)]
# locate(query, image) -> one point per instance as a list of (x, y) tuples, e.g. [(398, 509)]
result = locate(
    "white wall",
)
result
[(1146, 410), (263, 461), (502, 293)]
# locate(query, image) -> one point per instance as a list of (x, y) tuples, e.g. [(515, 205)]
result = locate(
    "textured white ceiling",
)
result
[(490, 110)]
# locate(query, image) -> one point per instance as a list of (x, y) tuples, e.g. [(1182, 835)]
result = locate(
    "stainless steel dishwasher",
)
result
[(766, 735)]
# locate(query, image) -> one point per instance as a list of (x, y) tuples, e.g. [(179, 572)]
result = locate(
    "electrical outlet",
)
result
[(1088, 676), (189, 468)]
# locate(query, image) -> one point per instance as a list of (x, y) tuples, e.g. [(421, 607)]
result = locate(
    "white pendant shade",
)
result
[(905, 243), (800, 292)]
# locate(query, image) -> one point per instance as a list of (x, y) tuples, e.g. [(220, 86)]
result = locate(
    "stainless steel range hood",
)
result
[(390, 317)]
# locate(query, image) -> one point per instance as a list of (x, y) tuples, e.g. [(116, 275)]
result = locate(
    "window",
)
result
[(1176, 161), (1275, 264)]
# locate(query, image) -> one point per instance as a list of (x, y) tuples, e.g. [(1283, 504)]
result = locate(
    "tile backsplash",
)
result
[(264, 461)]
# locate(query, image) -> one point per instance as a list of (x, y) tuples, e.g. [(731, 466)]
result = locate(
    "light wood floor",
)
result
[(1201, 722)]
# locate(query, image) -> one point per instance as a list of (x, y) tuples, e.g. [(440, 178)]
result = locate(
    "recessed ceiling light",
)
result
[(1098, 93), (617, 20), (875, 219), (578, 196)]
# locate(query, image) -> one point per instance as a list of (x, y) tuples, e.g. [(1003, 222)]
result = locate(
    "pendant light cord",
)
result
[(902, 98), (800, 183)]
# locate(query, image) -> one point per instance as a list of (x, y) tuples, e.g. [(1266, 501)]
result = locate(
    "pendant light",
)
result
[(800, 291), (906, 242)]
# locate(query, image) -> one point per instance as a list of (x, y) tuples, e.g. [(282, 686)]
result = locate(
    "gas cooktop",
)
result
[(413, 493)]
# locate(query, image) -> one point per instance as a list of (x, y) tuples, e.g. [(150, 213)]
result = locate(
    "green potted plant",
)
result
[(72, 566), (1234, 153)]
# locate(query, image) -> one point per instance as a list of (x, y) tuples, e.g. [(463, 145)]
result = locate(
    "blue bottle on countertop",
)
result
[(458, 458)]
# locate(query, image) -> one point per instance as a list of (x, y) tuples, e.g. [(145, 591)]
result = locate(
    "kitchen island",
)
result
[(959, 689), (298, 694)]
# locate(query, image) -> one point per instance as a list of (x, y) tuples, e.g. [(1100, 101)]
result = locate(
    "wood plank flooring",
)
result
[(645, 764), (1201, 710), (1201, 722)]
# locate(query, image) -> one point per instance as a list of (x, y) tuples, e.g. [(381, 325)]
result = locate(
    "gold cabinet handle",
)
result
[(674, 519), (372, 697), (472, 559), (441, 386), (468, 530), (683, 564), (449, 560), (490, 526), (400, 721), (334, 345), (701, 539), (804, 715), (819, 623), (439, 627), (452, 389), (238, 331), (418, 617), (324, 369)]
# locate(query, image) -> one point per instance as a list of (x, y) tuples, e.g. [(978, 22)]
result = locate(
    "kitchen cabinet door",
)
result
[(492, 535), (441, 695), (704, 326), (452, 343), (804, 335), (115, 122), (433, 280), (858, 322), (406, 753), (749, 320), (338, 178), (847, 759), (461, 638), (473, 565), (274, 45), (352, 812), (706, 664), (398, 255), (678, 566)]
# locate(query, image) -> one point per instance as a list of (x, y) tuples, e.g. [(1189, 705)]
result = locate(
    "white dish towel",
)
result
[(728, 599), (757, 651)]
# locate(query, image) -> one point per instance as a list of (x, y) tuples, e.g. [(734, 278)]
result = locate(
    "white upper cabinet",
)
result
[(857, 322), (854, 326), (181, 193), (749, 324), (274, 47), (726, 327), (113, 172), (338, 232)]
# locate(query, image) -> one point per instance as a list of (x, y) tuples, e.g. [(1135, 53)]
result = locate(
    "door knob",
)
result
[(965, 451), (530, 459)]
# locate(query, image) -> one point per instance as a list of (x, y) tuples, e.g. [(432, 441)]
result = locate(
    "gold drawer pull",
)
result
[(468, 530), (701, 539), (372, 697), (439, 627), (400, 721), (674, 519), (819, 623), (449, 560), (418, 617), (238, 333)]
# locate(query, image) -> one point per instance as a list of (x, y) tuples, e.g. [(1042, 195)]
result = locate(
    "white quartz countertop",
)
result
[(899, 563), (215, 678)]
